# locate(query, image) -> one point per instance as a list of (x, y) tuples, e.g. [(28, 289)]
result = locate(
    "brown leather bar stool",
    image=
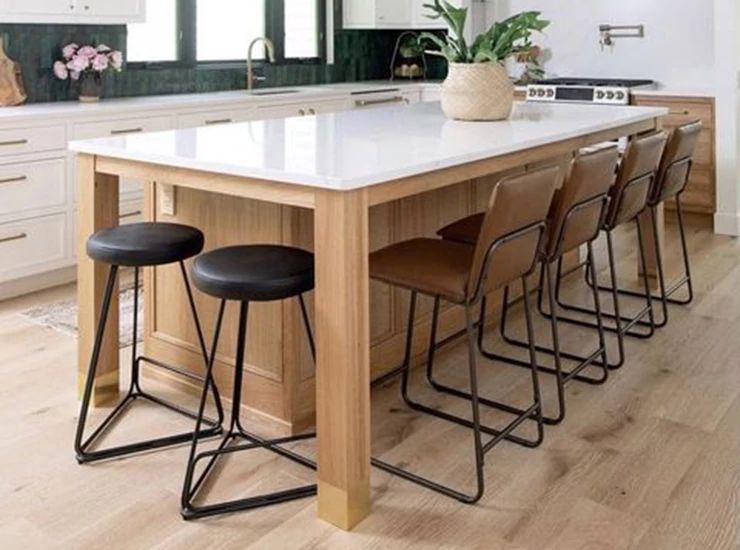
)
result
[(575, 220), (629, 199), (511, 235), (673, 176)]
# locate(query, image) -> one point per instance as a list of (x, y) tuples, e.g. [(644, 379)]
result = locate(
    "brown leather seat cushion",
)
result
[(466, 230), (430, 266)]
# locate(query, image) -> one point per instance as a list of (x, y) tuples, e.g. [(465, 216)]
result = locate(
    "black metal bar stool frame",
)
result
[(236, 431), (534, 412), (135, 390), (665, 296), (623, 325), (547, 279)]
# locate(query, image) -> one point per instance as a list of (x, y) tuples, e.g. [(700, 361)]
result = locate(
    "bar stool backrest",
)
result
[(635, 178), (673, 174), (579, 207), (512, 230)]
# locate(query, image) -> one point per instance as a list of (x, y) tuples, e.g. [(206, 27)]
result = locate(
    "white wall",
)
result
[(678, 48)]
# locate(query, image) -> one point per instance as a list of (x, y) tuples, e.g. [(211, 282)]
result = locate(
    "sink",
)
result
[(274, 92)]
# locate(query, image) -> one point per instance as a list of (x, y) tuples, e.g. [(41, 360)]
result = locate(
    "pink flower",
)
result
[(104, 48), (88, 52), (69, 50), (61, 71), (100, 63), (78, 63), (116, 60)]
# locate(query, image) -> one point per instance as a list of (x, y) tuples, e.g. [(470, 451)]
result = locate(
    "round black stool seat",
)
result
[(257, 273), (145, 244)]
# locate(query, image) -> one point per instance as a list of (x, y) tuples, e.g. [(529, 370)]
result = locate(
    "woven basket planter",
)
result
[(477, 91)]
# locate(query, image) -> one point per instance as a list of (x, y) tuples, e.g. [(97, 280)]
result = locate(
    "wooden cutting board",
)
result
[(12, 91)]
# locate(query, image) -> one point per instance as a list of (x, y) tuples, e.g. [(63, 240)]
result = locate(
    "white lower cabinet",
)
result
[(213, 118), (33, 245), (267, 112), (31, 186)]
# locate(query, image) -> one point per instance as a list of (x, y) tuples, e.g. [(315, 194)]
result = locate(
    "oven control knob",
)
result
[(620, 96), (532, 92), (550, 92), (599, 95), (541, 93), (609, 95)]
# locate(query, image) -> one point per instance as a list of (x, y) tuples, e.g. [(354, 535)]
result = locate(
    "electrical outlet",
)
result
[(167, 196)]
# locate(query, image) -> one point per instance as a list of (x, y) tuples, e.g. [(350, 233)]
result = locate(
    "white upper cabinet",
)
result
[(390, 14), (105, 12)]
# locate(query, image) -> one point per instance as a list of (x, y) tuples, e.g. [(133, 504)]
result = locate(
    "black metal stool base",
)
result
[(83, 451), (85, 456), (533, 413), (236, 432), (191, 511), (563, 377), (665, 296)]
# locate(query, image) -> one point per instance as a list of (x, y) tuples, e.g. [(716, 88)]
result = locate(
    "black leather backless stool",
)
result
[(245, 274), (141, 245)]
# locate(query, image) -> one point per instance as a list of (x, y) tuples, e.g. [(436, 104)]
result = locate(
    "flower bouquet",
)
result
[(87, 64)]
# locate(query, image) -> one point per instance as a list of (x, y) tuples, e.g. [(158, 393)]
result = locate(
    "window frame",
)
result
[(274, 29)]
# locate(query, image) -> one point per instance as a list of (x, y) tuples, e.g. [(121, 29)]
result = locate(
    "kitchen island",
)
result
[(341, 184)]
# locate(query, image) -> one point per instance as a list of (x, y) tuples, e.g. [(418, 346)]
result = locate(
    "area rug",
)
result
[(62, 316)]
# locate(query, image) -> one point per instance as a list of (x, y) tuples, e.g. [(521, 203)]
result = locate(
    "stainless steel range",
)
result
[(605, 91)]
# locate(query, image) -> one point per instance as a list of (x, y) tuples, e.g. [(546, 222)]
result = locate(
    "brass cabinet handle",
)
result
[(312, 111), (17, 237), (685, 112), (13, 179), (126, 131), (218, 121), (130, 215), (302, 112), (13, 142), (371, 102)]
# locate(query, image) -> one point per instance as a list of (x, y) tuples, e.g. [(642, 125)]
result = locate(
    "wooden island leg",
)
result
[(97, 209), (343, 362)]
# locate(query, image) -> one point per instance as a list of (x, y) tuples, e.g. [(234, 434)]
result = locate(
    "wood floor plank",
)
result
[(648, 461)]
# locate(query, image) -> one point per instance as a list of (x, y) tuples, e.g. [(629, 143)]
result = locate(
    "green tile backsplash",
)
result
[(359, 55)]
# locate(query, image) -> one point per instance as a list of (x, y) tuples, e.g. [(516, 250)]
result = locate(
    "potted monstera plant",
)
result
[(477, 86)]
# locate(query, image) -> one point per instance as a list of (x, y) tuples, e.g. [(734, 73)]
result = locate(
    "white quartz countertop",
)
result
[(204, 101), (355, 149)]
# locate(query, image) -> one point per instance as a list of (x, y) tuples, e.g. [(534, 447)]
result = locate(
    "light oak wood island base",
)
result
[(351, 190)]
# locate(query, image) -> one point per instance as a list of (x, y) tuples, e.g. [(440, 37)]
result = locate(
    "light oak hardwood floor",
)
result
[(649, 461)]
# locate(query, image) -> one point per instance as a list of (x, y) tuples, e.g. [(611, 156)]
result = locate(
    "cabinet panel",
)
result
[(106, 8), (20, 141), (393, 12), (212, 118), (32, 186), (36, 7), (73, 11), (32, 246)]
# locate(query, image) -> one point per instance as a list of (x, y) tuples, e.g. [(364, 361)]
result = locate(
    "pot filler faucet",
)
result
[(250, 64)]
